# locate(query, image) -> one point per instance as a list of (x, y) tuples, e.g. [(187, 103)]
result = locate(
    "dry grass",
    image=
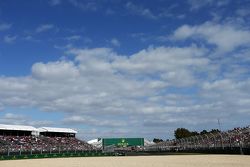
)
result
[(137, 161)]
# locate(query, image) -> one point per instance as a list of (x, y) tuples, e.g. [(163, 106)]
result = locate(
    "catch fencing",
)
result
[(236, 138)]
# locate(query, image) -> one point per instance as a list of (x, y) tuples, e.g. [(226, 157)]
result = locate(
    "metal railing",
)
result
[(236, 138), (9, 151)]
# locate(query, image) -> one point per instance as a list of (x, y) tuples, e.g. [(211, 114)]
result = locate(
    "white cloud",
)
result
[(54, 71), (225, 37), (12, 116), (30, 38), (44, 27), (115, 42), (86, 6), (220, 85), (17, 119), (99, 77), (9, 39), (139, 10), (87, 120), (5, 26), (63, 47), (98, 53), (73, 38), (1, 107), (162, 60), (243, 12), (153, 88), (198, 4), (40, 123), (229, 95)]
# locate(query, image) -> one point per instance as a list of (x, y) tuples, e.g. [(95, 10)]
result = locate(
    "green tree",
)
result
[(157, 140), (214, 131), (203, 132), (194, 133), (181, 133)]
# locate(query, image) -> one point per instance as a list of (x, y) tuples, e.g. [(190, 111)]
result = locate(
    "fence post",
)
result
[(241, 151), (185, 143), (197, 141), (241, 142), (180, 142), (230, 141), (229, 137), (8, 151), (202, 143), (208, 140), (214, 139), (221, 139)]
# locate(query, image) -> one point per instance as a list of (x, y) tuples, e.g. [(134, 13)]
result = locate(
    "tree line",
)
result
[(183, 132)]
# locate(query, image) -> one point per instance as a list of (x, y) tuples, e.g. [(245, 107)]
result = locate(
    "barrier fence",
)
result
[(55, 155), (232, 139)]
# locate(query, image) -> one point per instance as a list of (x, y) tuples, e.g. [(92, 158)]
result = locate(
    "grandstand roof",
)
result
[(59, 130), (17, 127)]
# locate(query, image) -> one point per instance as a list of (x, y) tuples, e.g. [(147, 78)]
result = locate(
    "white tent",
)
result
[(96, 142), (148, 143)]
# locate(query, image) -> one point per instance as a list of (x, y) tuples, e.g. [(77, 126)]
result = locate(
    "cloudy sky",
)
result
[(112, 68)]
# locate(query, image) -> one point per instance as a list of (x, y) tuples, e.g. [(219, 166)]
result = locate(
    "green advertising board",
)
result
[(122, 142)]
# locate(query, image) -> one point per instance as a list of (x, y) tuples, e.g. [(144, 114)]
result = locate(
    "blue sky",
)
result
[(125, 68)]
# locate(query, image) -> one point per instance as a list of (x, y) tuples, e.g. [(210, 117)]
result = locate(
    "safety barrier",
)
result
[(55, 155), (236, 139)]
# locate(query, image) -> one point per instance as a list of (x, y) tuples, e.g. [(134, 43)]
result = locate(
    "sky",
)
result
[(116, 68)]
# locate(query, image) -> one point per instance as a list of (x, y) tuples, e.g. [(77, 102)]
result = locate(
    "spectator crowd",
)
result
[(42, 144)]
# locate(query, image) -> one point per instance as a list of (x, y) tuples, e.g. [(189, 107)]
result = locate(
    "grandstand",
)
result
[(18, 139)]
